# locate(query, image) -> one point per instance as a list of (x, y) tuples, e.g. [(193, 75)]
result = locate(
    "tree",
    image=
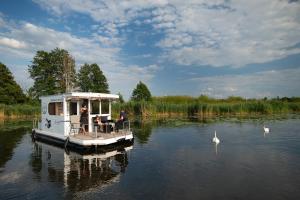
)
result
[(10, 91), (121, 99), (92, 79), (141, 92), (53, 72)]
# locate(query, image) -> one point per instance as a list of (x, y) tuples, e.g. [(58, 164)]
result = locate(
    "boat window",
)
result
[(95, 107), (73, 108), (55, 108), (105, 107)]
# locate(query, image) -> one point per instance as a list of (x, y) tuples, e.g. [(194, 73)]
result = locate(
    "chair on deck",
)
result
[(108, 125)]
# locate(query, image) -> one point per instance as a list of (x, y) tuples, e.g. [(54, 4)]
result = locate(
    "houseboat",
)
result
[(60, 121)]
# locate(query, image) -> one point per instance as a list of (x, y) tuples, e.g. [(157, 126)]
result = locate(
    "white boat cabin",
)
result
[(60, 111)]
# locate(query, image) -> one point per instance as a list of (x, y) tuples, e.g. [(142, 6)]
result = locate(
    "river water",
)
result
[(166, 161)]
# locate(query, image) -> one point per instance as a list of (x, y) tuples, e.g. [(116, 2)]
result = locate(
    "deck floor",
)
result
[(100, 135)]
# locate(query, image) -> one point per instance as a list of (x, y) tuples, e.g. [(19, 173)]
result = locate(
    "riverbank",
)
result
[(188, 107), (19, 111), (178, 107)]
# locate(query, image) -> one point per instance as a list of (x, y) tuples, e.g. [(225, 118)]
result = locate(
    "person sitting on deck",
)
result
[(84, 118), (121, 120), (98, 124)]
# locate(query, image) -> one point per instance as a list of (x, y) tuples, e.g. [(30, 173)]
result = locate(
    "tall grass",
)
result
[(19, 110), (179, 106), (185, 106)]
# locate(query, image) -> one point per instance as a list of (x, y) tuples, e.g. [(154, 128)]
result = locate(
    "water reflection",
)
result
[(216, 148), (142, 131), (78, 172), (8, 141), (178, 162)]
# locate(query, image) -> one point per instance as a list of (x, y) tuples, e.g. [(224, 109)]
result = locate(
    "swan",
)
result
[(215, 139), (267, 130)]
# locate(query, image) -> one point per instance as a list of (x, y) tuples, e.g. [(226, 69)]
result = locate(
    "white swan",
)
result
[(215, 139), (267, 130)]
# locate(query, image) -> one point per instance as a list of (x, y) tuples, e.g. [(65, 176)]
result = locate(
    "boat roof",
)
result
[(83, 95)]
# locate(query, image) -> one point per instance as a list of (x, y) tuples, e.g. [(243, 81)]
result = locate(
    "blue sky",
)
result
[(218, 48)]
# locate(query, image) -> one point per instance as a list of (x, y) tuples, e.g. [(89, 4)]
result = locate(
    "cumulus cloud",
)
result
[(195, 32), (12, 43), (91, 50), (262, 84), (216, 33)]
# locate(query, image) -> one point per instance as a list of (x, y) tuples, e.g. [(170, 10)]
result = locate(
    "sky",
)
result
[(218, 48)]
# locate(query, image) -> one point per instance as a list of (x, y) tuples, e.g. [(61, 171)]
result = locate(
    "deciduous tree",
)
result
[(92, 79), (141, 92), (53, 72)]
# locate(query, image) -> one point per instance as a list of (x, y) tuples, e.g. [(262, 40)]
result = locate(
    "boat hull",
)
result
[(83, 144)]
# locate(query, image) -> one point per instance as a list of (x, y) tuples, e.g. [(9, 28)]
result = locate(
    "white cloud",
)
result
[(126, 79), (91, 50), (12, 43), (199, 32), (194, 32), (262, 84)]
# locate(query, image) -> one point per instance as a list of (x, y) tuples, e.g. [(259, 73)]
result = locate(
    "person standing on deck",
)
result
[(121, 120), (84, 118)]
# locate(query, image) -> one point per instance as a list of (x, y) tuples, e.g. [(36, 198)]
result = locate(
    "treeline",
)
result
[(54, 72), (204, 106), (13, 101)]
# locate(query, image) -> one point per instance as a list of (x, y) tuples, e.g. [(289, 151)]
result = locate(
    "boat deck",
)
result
[(99, 135)]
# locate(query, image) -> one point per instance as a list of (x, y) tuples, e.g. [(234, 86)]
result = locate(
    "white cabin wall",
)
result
[(57, 124)]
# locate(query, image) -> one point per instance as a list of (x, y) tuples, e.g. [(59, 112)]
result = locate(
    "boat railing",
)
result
[(126, 125)]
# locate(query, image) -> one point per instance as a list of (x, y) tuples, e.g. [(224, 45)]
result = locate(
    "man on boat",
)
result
[(121, 120)]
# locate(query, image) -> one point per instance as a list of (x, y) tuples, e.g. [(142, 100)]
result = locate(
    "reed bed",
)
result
[(182, 106), (178, 106), (19, 111)]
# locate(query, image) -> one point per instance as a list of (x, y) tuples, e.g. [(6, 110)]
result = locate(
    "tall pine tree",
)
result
[(10, 91)]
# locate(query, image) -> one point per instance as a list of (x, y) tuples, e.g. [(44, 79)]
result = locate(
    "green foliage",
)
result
[(9, 139), (235, 99), (19, 110), (92, 79), (174, 99), (53, 72), (203, 106), (141, 92), (10, 91), (121, 99)]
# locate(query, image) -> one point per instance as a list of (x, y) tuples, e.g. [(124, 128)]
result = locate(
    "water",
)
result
[(165, 162)]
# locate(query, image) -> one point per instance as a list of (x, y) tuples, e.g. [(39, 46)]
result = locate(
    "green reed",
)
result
[(204, 106), (19, 110)]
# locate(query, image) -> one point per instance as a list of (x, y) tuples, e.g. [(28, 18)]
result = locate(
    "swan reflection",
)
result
[(216, 148)]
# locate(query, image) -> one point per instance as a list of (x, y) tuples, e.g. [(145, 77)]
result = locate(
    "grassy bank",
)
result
[(19, 111), (181, 106)]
